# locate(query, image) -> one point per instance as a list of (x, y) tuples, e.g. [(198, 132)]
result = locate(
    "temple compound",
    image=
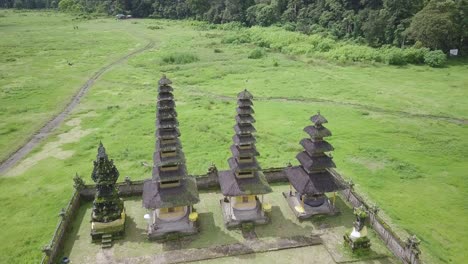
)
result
[(171, 193), (244, 182), (312, 179), (108, 215)]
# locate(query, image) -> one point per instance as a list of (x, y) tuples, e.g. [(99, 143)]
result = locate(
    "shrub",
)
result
[(435, 58), (256, 54), (179, 58), (415, 55), (217, 51), (154, 27), (395, 56)]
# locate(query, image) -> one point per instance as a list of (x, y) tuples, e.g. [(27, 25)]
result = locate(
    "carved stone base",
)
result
[(162, 229), (306, 211), (115, 228), (234, 218)]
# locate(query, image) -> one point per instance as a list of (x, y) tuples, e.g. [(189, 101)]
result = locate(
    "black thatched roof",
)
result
[(167, 133), (315, 163), (232, 186), (316, 147), (155, 197), (246, 110), (318, 119), (312, 184), (168, 146), (243, 103), (163, 161), (159, 175), (167, 113), (243, 139), (166, 104), (317, 132), (167, 123), (164, 81), (244, 128), (245, 119), (236, 166), (236, 151), (165, 89), (245, 95), (165, 96)]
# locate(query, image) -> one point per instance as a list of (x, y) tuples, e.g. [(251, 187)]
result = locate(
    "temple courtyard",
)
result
[(319, 240)]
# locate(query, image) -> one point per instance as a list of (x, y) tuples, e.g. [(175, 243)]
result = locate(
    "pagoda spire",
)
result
[(170, 194), (244, 182), (107, 205), (312, 179)]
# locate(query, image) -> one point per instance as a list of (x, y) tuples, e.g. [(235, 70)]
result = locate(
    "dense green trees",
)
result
[(437, 24)]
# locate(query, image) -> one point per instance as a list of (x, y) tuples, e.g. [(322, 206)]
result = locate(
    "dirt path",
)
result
[(327, 101), (58, 119)]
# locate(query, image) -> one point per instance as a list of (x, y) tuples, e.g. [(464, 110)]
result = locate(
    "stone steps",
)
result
[(106, 241)]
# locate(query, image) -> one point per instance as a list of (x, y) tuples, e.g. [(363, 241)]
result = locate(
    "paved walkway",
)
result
[(248, 247)]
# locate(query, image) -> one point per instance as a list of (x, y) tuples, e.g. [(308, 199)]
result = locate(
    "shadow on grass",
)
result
[(73, 232), (209, 234), (280, 224), (133, 233), (344, 218)]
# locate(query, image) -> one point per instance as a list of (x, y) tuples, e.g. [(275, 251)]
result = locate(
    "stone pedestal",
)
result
[(162, 229), (358, 239), (234, 218), (115, 228), (304, 211)]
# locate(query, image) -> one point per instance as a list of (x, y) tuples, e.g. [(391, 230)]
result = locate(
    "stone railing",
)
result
[(406, 251)]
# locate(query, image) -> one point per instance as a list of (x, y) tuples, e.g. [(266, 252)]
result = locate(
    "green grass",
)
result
[(412, 166), (36, 79)]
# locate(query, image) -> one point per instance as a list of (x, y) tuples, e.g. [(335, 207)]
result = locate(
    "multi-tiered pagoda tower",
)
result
[(313, 178), (171, 193), (244, 182)]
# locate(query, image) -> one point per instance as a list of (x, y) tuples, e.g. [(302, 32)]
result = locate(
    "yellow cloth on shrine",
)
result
[(299, 209), (193, 216), (267, 207)]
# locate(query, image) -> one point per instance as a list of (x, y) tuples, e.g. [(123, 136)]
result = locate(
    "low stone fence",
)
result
[(67, 216), (406, 251)]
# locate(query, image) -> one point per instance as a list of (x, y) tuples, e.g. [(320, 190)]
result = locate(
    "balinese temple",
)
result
[(244, 185), (313, 178), (171, 193)]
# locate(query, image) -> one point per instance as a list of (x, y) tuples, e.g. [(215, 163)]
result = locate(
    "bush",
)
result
[(415, 55), (179, 58), (395, 56), (435, 58), (256, 54), (217, 51)]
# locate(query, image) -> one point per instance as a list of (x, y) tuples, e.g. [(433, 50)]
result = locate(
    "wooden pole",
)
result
[(334, 198), (302, 200), (290, 189)]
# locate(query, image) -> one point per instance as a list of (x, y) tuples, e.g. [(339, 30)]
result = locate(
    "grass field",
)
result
[(400, 133)]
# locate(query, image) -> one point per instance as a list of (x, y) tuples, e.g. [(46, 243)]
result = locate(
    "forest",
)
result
[(435, 24)]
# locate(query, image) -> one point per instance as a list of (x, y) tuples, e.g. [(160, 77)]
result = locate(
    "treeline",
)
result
[(436, 24)]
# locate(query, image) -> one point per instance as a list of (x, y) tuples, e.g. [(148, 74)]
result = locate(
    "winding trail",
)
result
[(53, 123), (449, 119)]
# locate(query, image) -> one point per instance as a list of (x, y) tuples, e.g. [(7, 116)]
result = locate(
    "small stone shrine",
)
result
[(171, 193), (357, 239), (108, 215), (244, 185), (312, 178)]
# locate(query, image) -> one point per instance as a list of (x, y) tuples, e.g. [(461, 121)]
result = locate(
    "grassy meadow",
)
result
[(400, 133)]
